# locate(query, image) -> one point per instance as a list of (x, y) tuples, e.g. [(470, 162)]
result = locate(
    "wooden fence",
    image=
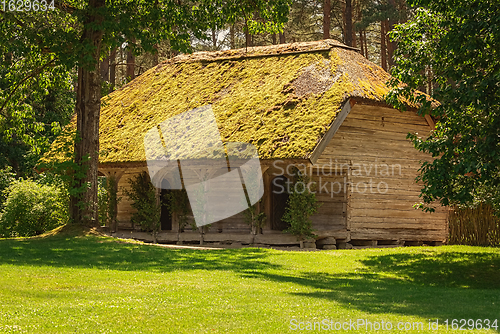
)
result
[(476, 226)]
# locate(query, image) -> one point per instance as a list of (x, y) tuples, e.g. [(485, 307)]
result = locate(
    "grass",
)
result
[(69, 283)]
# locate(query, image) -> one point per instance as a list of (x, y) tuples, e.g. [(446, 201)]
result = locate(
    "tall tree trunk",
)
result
[(248, 37), (282, 37), (83, 206), (104, 69), (112, 68), (326, 19), (348, 31), (383, 51), (365, 43), (231, 37), (130, 63), (391, 46), (361, 45), (155, 55)]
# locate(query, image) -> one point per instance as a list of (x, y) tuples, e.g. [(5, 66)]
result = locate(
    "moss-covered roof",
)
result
[(280, 98)]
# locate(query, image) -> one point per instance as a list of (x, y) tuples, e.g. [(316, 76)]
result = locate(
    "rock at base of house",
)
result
[(343, 245), (329, 247), (309, 244), (326, 241), (259, 245)]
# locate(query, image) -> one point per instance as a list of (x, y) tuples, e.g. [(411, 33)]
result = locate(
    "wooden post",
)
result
[(267, 200)]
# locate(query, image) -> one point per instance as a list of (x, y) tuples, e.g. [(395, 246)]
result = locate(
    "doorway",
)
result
[(279, 199)]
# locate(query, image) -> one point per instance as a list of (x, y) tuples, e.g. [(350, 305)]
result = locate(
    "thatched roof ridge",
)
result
[(281, 98), (260, 51)]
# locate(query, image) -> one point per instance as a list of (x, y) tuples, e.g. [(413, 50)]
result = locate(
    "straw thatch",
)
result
[(280, 98)]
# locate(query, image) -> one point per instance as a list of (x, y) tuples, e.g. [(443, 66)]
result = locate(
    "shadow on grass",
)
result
[(105, 253), (433, 285)]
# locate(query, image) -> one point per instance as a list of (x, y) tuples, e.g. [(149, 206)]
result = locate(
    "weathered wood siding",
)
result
[(372, 142), (331, 193)]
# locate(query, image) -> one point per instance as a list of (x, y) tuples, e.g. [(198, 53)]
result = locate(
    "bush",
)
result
[(32, 208), (302, 204), (143, 193)]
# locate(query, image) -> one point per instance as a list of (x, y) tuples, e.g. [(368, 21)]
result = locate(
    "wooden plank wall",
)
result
[(372, 141), (331, 194)]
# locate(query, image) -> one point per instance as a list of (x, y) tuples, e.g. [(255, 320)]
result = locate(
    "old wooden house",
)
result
[(316, 105)]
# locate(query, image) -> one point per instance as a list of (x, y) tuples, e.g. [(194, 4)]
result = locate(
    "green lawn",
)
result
[(92, 284)]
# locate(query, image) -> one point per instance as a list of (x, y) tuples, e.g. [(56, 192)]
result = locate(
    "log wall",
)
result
[(382, 167)]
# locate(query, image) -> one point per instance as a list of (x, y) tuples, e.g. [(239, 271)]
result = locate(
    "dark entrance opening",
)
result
[(279, 199), (166, 216)]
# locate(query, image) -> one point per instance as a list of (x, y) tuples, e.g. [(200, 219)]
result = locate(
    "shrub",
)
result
[(301, 205), (143, 193), (32, 208)]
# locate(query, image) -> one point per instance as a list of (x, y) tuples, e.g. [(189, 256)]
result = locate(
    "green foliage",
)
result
[(178, 203), (6, 178), (36, 99), (452, 48), (32, 208), (302, 204), (143, 194)]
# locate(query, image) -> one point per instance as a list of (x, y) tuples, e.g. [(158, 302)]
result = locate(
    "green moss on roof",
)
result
[(255, 99)]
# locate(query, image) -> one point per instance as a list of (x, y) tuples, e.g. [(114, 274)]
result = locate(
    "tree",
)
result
[(326, 18), (35, 97), (78, 32), (387, 13), (452, 47), (348, 30)]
